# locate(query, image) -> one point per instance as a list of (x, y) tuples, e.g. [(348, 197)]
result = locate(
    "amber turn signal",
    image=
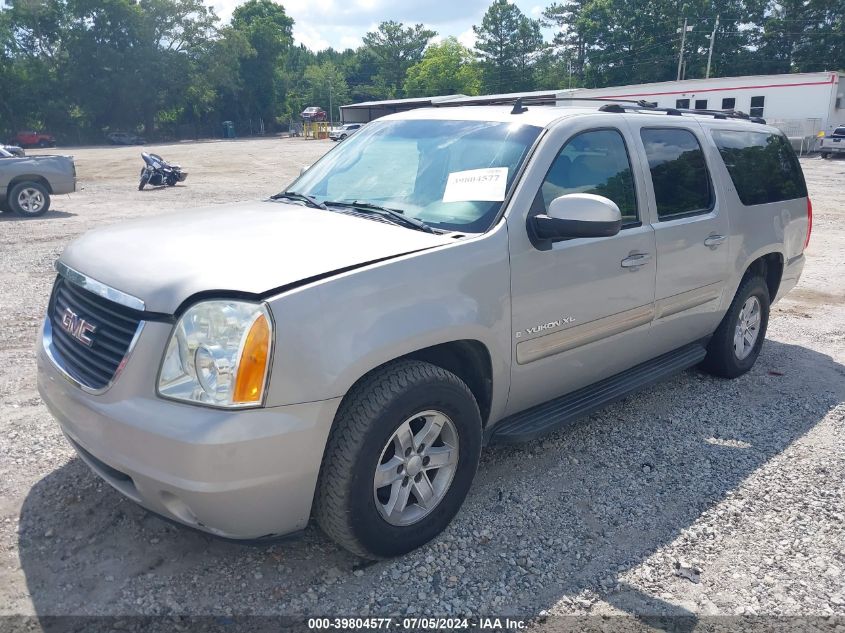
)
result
[(252, 369)]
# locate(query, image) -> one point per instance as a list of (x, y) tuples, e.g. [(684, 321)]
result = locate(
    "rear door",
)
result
[(691, 229)]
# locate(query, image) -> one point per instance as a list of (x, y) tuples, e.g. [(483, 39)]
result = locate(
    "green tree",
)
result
[(506, 42), (269, 31), (446, 68), (395, 48)]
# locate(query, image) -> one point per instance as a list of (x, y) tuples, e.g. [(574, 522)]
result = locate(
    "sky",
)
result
[(341, 23)]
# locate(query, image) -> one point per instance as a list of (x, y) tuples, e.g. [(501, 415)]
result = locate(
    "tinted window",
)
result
[(840, 131), (763, 166), (728, 103), (757, 106), (682, 103), (593, 162), (701, 104), (678, 172)]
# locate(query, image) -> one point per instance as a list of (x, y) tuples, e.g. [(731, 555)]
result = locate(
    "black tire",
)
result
[(345, 505), (343, 137), (43, 143), (15, 193), (721, 359)]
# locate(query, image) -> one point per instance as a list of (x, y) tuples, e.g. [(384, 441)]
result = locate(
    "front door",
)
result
[(581, 308)]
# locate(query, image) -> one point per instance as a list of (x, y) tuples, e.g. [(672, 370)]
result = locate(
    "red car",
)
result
[(34, 139), (314, 113)]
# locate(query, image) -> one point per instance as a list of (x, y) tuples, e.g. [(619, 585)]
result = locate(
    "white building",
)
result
[(800, 104)]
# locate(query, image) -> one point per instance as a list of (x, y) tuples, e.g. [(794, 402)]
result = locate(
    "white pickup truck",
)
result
[(26, 183), (833, 144)]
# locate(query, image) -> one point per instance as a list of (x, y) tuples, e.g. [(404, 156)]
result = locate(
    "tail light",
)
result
[(809, 221)]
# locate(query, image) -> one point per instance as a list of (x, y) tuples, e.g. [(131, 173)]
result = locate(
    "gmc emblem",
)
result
[(78, 327)]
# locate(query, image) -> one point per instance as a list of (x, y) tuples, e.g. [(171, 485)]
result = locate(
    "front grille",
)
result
[(96, 365)]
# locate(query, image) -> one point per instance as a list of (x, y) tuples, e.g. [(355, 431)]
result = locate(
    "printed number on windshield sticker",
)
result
[(476, 184)]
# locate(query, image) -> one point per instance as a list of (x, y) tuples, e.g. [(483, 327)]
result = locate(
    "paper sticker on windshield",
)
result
[(476, 184)]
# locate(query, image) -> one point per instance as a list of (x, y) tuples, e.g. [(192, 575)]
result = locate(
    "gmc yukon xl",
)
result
[(446, 278)]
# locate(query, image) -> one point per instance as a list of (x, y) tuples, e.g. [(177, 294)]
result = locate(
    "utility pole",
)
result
[(710, 52), (683, 33), (331, 113)]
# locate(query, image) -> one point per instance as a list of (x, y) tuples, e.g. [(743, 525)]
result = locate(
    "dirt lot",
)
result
[(698, 496)]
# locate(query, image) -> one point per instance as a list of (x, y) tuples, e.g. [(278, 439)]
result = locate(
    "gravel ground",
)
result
[(698, 496)]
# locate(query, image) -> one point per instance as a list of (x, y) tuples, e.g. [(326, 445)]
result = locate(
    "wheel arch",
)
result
[(468, 359), (770, 267), (41, 180)]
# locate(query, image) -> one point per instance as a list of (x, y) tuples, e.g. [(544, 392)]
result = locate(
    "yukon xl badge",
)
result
[(551, 325), (77, 327)]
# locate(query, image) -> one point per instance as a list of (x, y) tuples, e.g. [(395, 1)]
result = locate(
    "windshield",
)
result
[(452, 175)]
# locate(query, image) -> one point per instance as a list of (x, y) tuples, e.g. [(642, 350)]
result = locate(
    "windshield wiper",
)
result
[(393, 214), (301, 197)]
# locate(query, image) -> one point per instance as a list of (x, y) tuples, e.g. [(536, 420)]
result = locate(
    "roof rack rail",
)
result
[(652, 107), (618, 106)]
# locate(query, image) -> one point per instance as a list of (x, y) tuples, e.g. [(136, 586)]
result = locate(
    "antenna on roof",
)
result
[(518, 108)]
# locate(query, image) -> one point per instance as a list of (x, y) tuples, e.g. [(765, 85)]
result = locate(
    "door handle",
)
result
[(713, 241), (635, 260)]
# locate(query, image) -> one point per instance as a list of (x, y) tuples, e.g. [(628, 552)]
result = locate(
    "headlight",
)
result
[(219, 355)]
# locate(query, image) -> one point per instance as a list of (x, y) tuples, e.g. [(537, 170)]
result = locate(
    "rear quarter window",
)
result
[(762, 166)]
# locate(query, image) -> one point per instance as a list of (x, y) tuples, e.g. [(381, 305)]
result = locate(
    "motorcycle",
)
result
[(158, 172)]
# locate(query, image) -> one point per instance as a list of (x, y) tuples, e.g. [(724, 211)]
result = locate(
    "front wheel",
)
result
[(736, 344), (399, 461)]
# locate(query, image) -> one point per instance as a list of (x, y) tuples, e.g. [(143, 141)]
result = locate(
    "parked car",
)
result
[(314, 114), (834, 144), (14, 150), (125, 138), (27, 183), (344, 131), (446, 278), (33, 139)]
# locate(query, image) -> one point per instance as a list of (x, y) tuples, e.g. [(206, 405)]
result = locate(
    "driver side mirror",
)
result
[(577, 215), (303, 169)]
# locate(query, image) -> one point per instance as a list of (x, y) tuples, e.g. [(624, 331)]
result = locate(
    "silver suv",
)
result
[(444, 279)]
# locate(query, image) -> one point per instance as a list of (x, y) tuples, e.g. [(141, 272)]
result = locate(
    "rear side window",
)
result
[(678, 172), (763, 166), (593, 162)]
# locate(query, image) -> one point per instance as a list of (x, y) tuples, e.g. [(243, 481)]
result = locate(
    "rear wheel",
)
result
[(29, 199), (736, 344), (399, 461)]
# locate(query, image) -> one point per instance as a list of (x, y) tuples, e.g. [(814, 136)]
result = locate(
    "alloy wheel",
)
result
[(416, 468), (747, 328), (30, 200)]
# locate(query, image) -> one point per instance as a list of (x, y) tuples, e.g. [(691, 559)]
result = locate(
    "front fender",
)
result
[(332, 332)]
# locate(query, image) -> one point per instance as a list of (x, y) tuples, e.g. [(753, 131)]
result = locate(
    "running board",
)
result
[(555, 414)]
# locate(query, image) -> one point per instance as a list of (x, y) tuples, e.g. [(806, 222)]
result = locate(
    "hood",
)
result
[(253, 248)]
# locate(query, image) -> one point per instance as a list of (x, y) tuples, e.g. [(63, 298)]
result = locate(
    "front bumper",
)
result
[(239, 474)]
